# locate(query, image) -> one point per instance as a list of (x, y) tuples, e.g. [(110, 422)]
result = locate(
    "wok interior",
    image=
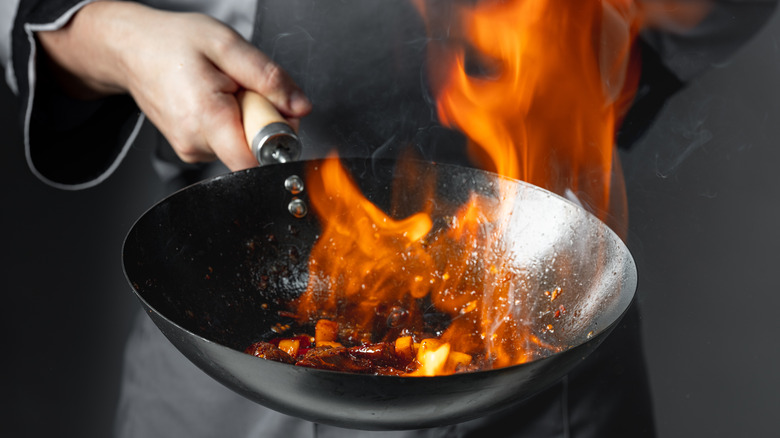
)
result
[(221, 259)]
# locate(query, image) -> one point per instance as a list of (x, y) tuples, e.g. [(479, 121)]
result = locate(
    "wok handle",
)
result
[(268, 134)]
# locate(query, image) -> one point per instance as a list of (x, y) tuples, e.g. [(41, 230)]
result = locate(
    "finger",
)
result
[(191, 148), (224, 134), (199, 156), (295, 123), (189, 143), (252, 69)]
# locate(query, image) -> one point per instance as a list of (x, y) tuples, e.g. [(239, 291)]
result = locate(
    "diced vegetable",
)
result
[(290, 346), (326, 331), (404, 349)]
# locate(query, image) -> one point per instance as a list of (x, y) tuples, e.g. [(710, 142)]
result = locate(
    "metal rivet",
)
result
[(298, 208), (294, 184), (276, 143)]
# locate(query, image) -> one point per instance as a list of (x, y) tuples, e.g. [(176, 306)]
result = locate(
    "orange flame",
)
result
[(377, 277), (364, 260), (538, 87)]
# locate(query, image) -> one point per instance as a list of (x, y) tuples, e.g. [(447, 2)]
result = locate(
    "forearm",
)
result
[(697, 35)]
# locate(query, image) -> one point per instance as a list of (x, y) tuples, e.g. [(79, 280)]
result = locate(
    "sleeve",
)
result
[(7, 14), (671, 58), (728, 26), (69, 144)]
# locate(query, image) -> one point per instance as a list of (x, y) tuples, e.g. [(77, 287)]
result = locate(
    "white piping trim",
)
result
[(30, 29), (9, 9), (10, 77)]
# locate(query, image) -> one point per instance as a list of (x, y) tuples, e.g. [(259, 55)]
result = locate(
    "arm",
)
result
[(682, 40), (181, 69), (693, 36)]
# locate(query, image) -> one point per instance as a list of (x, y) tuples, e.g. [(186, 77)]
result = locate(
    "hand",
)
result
[(182, 69)]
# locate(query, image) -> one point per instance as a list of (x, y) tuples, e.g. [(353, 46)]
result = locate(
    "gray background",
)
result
[(704, 196), (704, 202)]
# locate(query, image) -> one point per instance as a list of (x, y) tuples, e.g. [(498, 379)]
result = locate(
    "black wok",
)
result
[(214, 264)]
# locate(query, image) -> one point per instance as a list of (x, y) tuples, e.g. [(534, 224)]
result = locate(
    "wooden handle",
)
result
[(270, 138), (256, 113)]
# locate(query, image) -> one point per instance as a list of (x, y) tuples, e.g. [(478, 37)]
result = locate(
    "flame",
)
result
[(365, 261), (539, 88), (377, 276)]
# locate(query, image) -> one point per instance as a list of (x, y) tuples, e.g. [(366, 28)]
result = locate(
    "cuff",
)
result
[(69, 144), (727, 28)]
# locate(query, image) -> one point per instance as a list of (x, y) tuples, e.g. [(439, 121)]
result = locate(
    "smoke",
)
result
[(365, 66), (691, 133), (362, 64)]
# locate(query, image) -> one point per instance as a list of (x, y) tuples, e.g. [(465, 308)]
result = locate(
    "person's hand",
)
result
[(182, 69)]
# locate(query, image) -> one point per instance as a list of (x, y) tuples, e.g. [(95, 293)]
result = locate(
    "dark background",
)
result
[(704, 195)]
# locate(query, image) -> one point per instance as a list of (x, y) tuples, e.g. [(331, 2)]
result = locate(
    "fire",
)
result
[(538, 87), (365, 263), (377, 278)]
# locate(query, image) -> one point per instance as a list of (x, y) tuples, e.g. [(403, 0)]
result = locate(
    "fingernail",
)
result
[(299, 103)]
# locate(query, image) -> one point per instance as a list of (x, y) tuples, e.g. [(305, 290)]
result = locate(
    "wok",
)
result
[(213, 264)]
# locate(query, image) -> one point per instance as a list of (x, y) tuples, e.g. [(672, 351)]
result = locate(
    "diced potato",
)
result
[(326, 331), (429, 344), (404, 348), (432, 356), (457, 358), (290, 346)]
